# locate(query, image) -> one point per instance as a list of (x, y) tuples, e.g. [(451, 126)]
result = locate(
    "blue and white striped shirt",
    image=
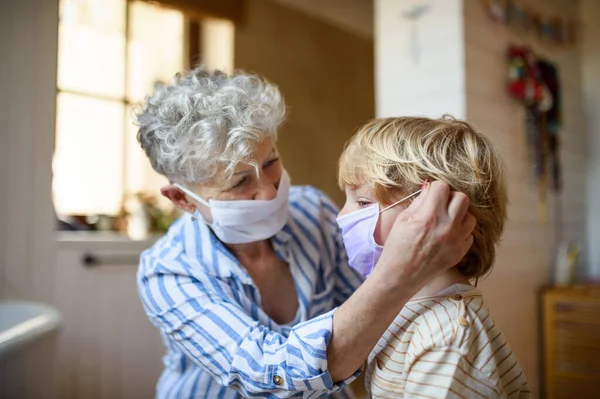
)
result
[(221, 344)]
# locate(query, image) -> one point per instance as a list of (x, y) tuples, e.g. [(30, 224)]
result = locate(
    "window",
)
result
[(111, 53)]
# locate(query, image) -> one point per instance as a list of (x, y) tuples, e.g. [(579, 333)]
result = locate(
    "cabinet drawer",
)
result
[(568, 387), (581, 310)]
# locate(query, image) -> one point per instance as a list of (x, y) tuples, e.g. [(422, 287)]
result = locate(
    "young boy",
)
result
[(443, 343)]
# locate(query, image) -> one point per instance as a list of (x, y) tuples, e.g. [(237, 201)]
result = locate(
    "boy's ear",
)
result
[(418, 201)]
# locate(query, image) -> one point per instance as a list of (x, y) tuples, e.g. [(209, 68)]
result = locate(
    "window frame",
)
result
[(191, 45)]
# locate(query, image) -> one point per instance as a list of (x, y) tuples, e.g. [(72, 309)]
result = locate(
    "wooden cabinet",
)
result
[(571, 342)]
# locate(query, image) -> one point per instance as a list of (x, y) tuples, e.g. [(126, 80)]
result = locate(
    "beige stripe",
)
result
[(381, 386), (480, 317), (502, 361), (499, 364), (476, 337), (446, 350), (499, 335), (398, 338), (380, 397), (485, 319), (507, 371), (422, 339), (441, 326), (389, 357), (449, 318), (461, 369), (464, 334), (479, 309), (494, 354), (385, 386), (514, 379), (437, 386), (518, 389), (430, 330), (486, 344), (401, 327), (380, 375), (396, 350), (421, 395), (482, 330), (408, 308), (455, 352), (453, 378), (413, 322)]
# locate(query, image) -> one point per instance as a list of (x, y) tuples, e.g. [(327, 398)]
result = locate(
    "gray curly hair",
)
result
[(207, 122)]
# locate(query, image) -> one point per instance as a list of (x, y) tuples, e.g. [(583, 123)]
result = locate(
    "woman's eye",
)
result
[(363, 203), (240, 183), (270, 163)]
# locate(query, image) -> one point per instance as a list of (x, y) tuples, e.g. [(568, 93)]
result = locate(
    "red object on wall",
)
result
[(524, 76)]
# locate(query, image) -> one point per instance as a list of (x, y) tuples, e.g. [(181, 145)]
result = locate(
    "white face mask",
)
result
[(244, 221)]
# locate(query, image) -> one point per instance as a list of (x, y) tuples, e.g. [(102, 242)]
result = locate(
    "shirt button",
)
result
[(462, 321), (277, 380)]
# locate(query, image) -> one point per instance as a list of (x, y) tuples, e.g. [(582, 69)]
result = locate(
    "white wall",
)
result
[(590, 64), (28, 48), (420, 63), (28, 44)]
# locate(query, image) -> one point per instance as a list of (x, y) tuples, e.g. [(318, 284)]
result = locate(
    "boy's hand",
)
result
[(433, 234)]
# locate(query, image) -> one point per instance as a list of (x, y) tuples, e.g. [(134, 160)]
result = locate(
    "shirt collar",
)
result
[(202, 245)]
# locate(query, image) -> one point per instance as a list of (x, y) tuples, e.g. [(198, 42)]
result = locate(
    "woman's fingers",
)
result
[(436, 200), (468, 225), (458, 206), (418, 201)]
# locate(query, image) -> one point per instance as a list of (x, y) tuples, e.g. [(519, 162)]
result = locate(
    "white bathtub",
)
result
[(23, 322)]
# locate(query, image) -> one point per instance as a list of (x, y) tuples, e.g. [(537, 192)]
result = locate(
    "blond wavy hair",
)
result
[(394, 156)]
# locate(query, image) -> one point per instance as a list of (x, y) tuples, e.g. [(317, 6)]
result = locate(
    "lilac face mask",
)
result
[(358, 229)]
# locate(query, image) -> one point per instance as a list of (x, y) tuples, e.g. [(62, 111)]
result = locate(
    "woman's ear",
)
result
[(178, 198)]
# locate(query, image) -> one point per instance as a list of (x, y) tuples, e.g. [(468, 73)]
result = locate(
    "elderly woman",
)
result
[(251, 291)]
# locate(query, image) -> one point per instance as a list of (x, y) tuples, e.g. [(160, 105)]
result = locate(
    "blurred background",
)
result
[(80, 201)]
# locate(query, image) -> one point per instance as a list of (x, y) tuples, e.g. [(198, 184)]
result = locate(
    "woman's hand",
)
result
[(433, 234), (430, 236)]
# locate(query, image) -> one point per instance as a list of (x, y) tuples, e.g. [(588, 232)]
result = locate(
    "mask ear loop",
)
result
[(194, 196), (405, 198), (402, 200)]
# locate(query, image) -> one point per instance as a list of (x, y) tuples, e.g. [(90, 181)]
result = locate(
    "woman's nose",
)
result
[(267, 190)]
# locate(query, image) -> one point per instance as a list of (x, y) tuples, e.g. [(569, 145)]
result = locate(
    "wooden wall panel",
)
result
[(326, 77), (529, 246)]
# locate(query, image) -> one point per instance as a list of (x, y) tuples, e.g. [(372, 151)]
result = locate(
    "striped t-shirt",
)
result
[(445, 346)]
